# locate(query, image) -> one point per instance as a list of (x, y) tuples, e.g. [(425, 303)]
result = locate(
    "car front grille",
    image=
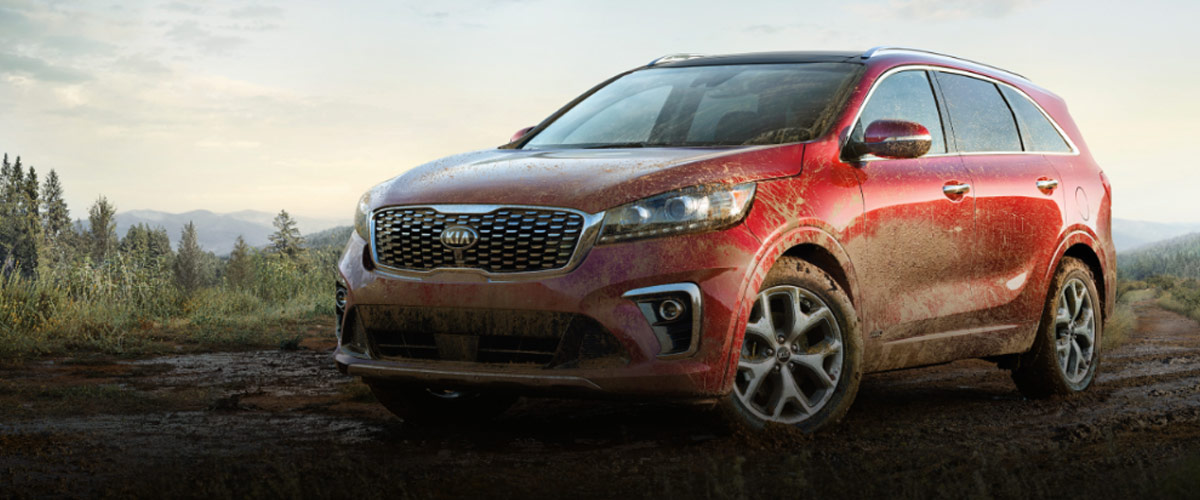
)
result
[(509, 239), (537, 338)]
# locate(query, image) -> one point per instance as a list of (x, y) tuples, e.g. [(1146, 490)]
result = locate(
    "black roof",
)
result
[(767, 58)]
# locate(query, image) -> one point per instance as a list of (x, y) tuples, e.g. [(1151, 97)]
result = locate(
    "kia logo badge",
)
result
[(459, 237)]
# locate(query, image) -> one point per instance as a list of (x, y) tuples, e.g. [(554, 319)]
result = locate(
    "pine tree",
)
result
[(20, 229), (136, 243), (189, 264), (15, 184), (103, 229), (286, 240), (240, 269), (30, 190), (55, 217), (7, 229), (159, 245), (7, 174), (5, 169)]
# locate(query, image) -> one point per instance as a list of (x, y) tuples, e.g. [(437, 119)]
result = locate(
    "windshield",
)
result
[(704, 106)]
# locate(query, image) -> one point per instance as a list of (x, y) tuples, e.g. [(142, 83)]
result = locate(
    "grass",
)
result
[(1181, 295), (124, 307), (1124, 320)]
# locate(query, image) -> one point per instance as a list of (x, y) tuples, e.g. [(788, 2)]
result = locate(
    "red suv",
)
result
[(756, 230)]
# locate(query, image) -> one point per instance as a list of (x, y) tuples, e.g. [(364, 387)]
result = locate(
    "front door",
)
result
[(919, 223)]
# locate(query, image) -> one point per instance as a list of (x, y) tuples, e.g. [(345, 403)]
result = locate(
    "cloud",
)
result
[(766, 29), (183, 7), (191, 33), (257, 12), (945, 9), (810, 32), (13, 22), (39, 70), (140, 64), (77, 45)]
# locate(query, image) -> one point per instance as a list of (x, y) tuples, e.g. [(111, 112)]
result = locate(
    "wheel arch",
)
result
[(811, 244), (1083, 246), (826, 261), (1088, 256)]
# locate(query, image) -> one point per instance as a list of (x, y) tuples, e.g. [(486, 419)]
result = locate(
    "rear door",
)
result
[(919, 222), (1019, 205)]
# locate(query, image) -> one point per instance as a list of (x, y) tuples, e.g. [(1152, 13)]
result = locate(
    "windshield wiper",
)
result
[(619, 145)]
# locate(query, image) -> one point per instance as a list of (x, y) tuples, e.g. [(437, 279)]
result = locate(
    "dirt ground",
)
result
[(286, 423)]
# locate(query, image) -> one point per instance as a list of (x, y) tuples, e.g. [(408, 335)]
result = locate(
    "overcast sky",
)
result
[(303, 105)]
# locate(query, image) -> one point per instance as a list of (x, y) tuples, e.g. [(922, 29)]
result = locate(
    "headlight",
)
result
[(361, 213), (694, 209)]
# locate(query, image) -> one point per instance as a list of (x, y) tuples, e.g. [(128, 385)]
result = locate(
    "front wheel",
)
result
[(1066, 351), (801, 358)]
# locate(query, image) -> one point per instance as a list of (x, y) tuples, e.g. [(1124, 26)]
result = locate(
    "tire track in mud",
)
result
[(959, 429)]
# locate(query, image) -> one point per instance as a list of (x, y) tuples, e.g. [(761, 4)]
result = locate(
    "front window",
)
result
[(705, 106)]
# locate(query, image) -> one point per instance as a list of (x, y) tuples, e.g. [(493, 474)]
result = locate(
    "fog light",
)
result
[(673, 312), (670, 310)]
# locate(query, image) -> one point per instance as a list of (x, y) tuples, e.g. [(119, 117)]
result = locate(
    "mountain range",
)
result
[(218, 232), (1178, 256), (1132, 234)]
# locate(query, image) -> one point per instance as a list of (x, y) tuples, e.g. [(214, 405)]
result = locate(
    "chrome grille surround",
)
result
[(516, 242)]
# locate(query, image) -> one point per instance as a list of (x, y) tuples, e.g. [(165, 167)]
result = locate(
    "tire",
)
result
[(429, 407), (1071, 321), (823, 358)]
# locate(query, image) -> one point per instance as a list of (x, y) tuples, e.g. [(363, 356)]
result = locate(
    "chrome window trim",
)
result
[(925, 67), (693, 291), (587, 239)]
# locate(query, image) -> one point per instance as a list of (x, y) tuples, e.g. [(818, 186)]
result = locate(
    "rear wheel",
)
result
[(1066, 351), (800, 361), (430, 406)]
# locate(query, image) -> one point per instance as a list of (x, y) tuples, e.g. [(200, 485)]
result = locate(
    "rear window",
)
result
[(979, 116), (1039, 134)]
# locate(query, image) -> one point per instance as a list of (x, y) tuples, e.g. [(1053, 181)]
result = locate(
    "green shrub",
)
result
[(123, 305)]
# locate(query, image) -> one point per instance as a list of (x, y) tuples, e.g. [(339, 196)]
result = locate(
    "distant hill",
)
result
[(218, 232), (1131, 234), (1178, 256), (335, 237)]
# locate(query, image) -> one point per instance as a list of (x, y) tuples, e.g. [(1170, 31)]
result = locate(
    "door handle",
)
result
[(956, 189), (1047, 185)]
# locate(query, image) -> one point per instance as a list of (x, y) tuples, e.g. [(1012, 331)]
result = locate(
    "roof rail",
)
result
[(670, 58), (874, 51)]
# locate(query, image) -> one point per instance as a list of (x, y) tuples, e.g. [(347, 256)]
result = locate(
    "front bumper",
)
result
[(718, 263)]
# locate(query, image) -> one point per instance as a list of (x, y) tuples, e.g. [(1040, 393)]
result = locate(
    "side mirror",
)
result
[(895, 139), (520, 133)]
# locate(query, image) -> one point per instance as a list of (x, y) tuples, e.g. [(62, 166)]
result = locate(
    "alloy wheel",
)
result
[(1075, 331), (792, 356)]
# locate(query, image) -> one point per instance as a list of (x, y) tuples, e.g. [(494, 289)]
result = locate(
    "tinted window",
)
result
[(904, 96), (980, 117), (1039, 134), (705, 106)]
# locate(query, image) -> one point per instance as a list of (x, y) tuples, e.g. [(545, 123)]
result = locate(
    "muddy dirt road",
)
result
[(285, 423)]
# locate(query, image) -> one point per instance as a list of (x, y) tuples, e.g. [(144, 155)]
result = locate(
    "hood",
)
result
[(591, 180)]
